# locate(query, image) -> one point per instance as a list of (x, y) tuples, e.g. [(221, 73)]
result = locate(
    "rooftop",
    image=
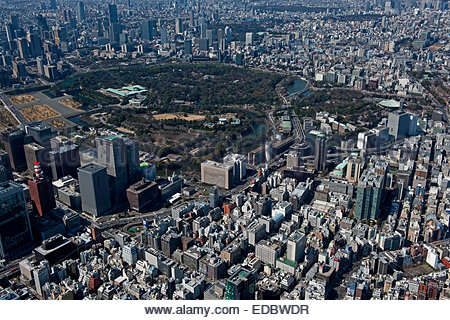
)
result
[(128, 90), (390, 104), (92, 168)]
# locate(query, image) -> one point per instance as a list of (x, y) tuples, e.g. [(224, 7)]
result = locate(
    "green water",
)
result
[(297, 86), (68, 81), (78, 121), (258, 129)]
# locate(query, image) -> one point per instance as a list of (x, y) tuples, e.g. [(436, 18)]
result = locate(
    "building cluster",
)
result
[(298, 218), (362, 53), (364, 225), (377, 232)]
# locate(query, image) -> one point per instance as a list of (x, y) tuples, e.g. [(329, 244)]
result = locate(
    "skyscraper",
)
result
[(203, 28), (19, 71), (64, 161), (211, 36), (249, 39), (191, 19), (4, 78), (121, 158), (188, 46), (94, 189), (320, 157), (228, 34), (214, 197), (40, 133), (147, 29), (41, 192), (80, 11), (35, 152), (133, 162), (239, 163), (5, 163), (14, 144), (143, 194), (163, 32), (34, 42), (401, 123), (369, 195), (42, 23), (15, 21), (52, 4), (10, 32), (178, 25), (15, 230), (22, 45), (112, 10), (114, 32), (203, 44), (60, 34)]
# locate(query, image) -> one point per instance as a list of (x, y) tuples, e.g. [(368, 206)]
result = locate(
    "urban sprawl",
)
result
[(224, 150)]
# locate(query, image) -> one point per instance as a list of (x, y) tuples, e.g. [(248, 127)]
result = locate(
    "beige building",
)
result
[(353, 170), (218, 174)]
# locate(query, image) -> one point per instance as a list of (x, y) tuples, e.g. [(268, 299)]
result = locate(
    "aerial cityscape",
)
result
[(224, 150)]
